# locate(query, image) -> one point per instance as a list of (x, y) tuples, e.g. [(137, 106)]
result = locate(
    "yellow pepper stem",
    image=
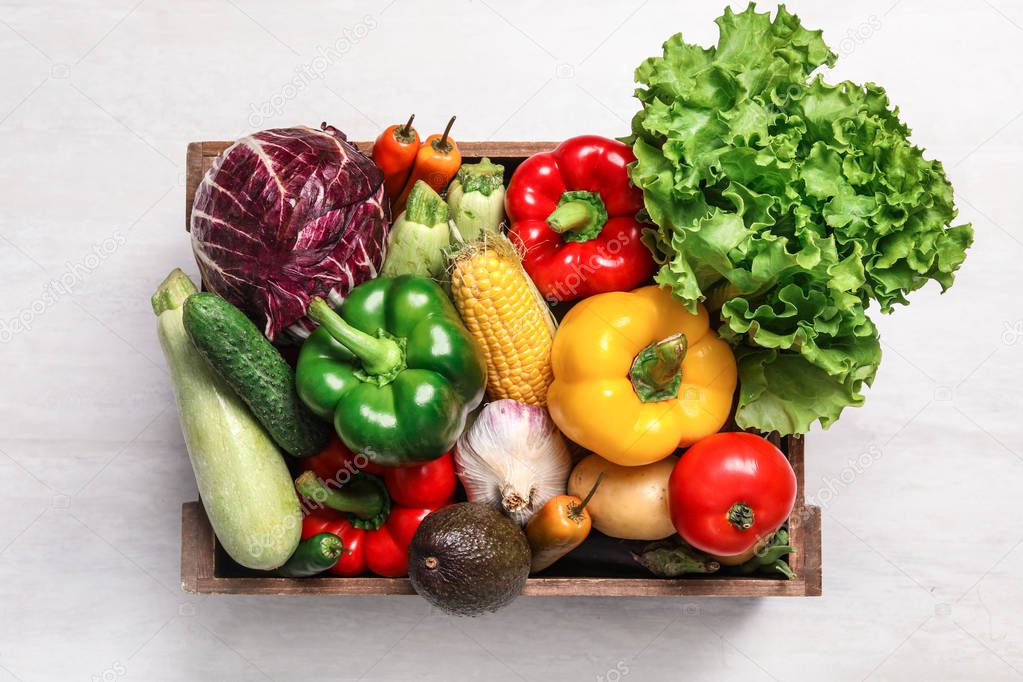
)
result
[(656, 372)]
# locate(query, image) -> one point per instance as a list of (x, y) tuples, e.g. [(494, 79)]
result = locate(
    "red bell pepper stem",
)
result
[(656, 372), (574, 215), (361, 497), (580, 216)]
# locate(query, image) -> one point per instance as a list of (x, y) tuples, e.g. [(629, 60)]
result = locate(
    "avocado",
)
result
[(468, 559)]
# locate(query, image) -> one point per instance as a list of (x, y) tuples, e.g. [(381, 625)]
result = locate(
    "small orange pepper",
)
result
[(395, 152), (437, 161), (560, 526)]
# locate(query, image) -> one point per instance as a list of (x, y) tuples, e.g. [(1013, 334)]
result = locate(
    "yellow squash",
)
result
[(636, 376)]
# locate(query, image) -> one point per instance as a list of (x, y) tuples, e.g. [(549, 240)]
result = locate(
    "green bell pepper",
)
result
[(396, 370)]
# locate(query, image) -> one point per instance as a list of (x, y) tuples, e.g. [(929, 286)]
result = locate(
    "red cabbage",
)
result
[(285, 215)]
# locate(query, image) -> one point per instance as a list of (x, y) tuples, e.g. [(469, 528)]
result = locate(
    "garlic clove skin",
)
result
[(513, 458), (514, 502)]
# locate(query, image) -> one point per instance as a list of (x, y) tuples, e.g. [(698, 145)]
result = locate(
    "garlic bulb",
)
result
[(513, 458)]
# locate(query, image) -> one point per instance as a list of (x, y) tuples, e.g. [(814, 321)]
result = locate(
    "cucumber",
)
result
[(243, 480), (239, 352)]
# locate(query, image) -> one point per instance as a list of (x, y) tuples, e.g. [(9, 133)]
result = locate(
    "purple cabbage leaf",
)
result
[(287, 214)]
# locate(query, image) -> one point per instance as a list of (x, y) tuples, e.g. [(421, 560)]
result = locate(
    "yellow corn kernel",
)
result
[(510, 321)]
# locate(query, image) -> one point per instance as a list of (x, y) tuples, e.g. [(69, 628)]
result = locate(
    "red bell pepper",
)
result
[(573, 215), (376, 539), (729, 493)]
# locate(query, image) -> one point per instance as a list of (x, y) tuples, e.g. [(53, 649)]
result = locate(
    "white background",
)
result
[(920, 488)]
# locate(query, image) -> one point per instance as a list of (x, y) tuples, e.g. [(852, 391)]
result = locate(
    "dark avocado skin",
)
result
[(482, 559)]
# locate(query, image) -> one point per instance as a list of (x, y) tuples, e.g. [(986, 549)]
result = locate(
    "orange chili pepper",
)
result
[(395, 152), (560, 526), (437, 161)]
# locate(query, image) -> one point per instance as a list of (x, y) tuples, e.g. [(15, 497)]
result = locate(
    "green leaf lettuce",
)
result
[(788, 205)]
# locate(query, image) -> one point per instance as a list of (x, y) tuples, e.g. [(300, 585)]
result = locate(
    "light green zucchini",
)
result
[(243, 481)]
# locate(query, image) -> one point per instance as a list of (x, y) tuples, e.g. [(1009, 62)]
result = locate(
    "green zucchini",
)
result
[(239, 352), (243, 480)]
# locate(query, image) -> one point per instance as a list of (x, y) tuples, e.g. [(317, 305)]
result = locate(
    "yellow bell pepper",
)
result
[(636, 376)]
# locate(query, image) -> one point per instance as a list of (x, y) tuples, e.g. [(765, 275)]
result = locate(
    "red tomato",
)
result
[(730, 491)]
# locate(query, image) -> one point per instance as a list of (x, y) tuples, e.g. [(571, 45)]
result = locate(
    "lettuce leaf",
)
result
[(789, 206)]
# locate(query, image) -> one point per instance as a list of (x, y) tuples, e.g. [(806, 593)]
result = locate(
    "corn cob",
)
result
[(507, 316)]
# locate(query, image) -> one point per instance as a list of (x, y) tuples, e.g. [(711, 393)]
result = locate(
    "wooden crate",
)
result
[(206, 568)]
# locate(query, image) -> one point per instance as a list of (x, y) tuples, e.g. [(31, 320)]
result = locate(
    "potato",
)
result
[(631, 502)]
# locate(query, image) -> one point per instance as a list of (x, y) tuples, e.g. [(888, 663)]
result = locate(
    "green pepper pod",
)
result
[(396, 370), (771, 557), (673, 558), (364, 499), (313, 555)]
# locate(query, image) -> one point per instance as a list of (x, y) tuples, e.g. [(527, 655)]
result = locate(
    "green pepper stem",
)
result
[(331, 546), (378, 356), (656, 372), (740, 515), (360, 497)]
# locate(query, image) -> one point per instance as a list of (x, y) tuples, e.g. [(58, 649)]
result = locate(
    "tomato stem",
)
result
[(740, 515)]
